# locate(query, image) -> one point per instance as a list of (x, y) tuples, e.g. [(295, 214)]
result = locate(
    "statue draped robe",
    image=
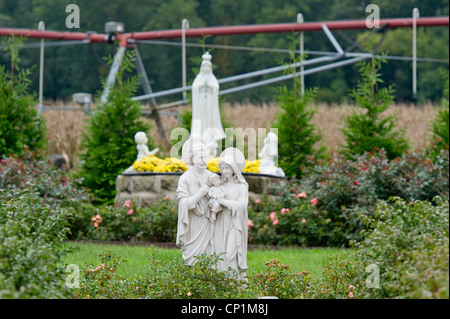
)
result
[(194, 230)]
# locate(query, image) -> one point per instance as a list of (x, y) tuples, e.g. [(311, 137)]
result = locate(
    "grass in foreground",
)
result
[(309, 259)]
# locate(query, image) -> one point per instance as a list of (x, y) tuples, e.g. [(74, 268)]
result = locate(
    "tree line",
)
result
[(80, 68)]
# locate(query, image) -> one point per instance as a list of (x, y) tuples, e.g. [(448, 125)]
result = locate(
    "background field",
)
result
[(65, 127)]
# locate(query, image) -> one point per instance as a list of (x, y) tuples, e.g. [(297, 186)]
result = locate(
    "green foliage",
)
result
[(279, 281), (166, 280), (345, 188), (157, 223), (409, 245), (32, 234), (441, 122), (369, 130), (48, 181), (297, 136), (20, 126), (108, 143), (339, 280)]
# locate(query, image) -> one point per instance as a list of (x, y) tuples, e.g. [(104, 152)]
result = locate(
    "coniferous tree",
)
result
[(108, 143), (297, 136), (441, 121), (20, 125), (370, 129)]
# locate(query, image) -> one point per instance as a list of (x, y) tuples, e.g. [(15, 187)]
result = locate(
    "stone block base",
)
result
[(146, 188)]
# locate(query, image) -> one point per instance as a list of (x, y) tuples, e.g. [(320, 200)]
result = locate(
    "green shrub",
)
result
[(31, 171), (165, 280), (157, 223), (369, 130), (339, 280), (441, 121), (21, 128), (409, 245), (289, 220), (108, 143), (279, 281), (32, 234), (345, 188)]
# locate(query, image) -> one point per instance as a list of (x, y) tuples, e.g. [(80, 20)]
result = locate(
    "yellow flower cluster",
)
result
[(173, 164), (156, 164), (250, 166)]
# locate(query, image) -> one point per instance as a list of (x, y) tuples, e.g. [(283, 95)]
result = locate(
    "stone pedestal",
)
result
[(145, 188)]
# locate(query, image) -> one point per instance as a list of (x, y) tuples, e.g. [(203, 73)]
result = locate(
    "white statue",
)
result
[(269, 155), (206, 120), (213, 219), (194, 231), (141, 140), (231, 225)]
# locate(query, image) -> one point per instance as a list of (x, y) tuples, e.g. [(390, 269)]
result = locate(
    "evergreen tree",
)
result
[(441, 122), (108, 143), (20, 125), (369, 130), (297, 136)]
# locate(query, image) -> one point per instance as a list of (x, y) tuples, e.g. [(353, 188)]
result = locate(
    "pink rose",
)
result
[(250, 223), (314, 201), (301, 195), (350, 295), (284, 211), (130, 211), (258, 201), (167, 197), (275, 222), (127, 204), (303, 221), (272, 215)]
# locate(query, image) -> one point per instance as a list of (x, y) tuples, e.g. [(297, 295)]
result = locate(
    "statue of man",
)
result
[(194, 232), (206, 120)]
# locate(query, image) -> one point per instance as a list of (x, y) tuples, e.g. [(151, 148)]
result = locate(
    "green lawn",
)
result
[(309, 259)]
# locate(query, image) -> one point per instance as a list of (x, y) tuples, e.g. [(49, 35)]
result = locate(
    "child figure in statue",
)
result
[(215, 193)]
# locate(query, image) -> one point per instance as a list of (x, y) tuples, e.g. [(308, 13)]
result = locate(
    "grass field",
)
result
[(309, 259)]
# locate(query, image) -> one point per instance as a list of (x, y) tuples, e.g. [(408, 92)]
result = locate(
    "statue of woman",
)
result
[(231, 226), (205, 104), (194, 232)]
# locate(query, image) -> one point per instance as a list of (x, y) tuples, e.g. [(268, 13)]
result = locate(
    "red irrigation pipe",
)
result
[(224, 30)]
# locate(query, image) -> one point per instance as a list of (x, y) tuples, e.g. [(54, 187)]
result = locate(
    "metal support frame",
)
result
[(414, 53), (41, 27)]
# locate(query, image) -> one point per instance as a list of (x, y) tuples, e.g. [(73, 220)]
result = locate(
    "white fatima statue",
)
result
[(206, 121)]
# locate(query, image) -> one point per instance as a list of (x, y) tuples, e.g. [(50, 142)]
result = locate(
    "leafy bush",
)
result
[(441, 122), (157, 223), (368, 130), (409, 244), (31, 171), (165, 280), (345, 188), (108, 144), (289, 220), (339, 280), (32, 234), (20, 125), (279, 281)]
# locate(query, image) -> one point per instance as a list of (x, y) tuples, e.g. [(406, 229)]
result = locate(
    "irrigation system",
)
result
[(128, 41)]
